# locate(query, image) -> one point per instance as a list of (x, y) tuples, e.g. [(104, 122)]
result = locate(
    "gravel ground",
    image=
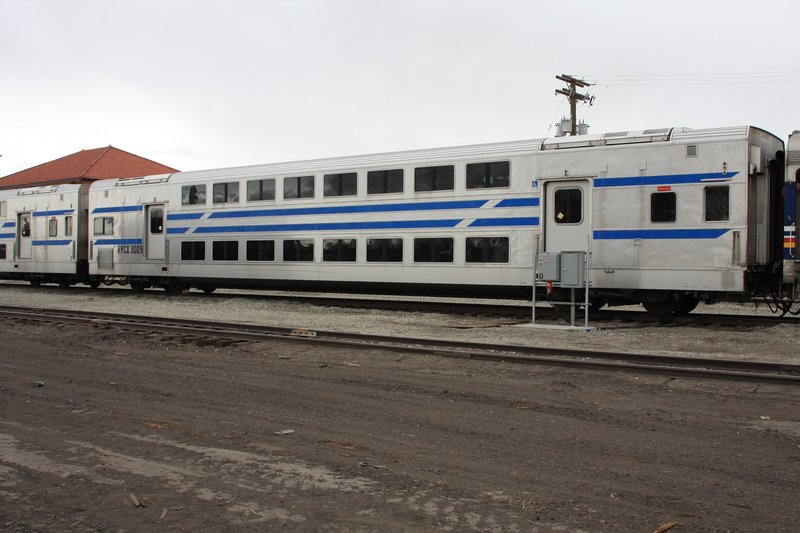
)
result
[(778, 343), (108, 430)]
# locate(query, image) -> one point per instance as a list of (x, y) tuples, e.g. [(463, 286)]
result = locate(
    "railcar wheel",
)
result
[(686, 304), (174, 287), (35, 282), (659, 308), (137, 286), (95, 283), (64, 284), (208, 290)]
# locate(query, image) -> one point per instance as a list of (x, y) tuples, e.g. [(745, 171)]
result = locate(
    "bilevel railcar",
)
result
[(43, 234), (670, 217)]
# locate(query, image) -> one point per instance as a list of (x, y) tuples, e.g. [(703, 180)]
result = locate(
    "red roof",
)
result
[(86, 165)]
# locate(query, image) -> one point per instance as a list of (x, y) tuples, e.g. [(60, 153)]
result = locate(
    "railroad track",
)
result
[(586, 359), (515, 311)]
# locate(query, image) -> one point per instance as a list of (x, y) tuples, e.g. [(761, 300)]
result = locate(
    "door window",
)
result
[(156, 220), (568, 206)]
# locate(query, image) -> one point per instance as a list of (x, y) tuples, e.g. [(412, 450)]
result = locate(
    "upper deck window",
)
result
[(384, 181), (340, 184), (261, 190), (193, 195), (226, 192), (434, 178), (298, 187), (485, 175)]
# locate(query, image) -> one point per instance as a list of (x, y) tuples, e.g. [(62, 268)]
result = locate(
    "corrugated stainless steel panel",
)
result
[(685, 134), (793, 157)]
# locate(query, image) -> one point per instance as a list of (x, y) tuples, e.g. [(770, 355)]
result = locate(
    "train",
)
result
[(666, 218)]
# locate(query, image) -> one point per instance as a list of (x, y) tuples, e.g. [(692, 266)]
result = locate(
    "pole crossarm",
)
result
[(574, 96)]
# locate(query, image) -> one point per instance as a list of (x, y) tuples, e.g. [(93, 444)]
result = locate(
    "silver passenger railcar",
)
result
[(669, 217), (43, 234)]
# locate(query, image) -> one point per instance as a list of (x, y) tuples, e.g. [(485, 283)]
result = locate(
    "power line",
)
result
[(723, 78)]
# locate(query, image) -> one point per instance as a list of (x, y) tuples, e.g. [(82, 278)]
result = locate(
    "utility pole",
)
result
[(572, 94)]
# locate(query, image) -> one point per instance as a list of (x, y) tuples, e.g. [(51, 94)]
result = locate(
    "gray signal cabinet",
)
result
[(572, 269), (566, 268)]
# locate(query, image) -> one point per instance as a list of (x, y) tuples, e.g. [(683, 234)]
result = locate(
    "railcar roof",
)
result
[(434, 155)]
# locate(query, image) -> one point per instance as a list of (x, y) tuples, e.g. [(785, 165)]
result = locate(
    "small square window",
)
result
[(663, 207)]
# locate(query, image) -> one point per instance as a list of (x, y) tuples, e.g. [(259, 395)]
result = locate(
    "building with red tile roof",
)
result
[(84, 167)]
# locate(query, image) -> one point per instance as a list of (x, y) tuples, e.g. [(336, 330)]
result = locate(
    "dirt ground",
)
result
[(290, 437)]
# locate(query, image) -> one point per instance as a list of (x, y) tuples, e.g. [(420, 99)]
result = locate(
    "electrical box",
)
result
[(548, 267), (572, 269)]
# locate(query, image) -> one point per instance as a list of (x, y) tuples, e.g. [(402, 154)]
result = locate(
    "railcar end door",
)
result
[(567, 215), (24, 229), (156, 239)]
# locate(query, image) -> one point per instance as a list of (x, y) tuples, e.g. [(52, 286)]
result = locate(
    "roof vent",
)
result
[(661, 131), (615, 134)]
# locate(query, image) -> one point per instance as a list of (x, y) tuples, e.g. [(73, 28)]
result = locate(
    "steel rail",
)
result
[(521, 312), (591, 359)]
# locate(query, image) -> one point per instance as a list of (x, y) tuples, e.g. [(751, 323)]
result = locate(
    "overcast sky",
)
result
[(197, 84)]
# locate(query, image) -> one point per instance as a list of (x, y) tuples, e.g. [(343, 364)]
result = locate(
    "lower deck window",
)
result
[(298, 250), (225, 251), (339, 250), (384, 250), (193, 251), (433, 250), (487, 250), (261, 250)]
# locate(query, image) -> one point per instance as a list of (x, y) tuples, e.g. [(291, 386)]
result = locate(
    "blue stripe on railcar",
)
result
[(532, 201), (184, 216), (9, 225), (101, 242), (504, 222), (7, 235), (56, 212), (328, 226), (671, 179), (53, 242), (658, 234), (118, 209)]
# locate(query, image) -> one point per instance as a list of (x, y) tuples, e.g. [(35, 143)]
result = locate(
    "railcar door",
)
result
[(24, 236), (567, 222), (156, 239)]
